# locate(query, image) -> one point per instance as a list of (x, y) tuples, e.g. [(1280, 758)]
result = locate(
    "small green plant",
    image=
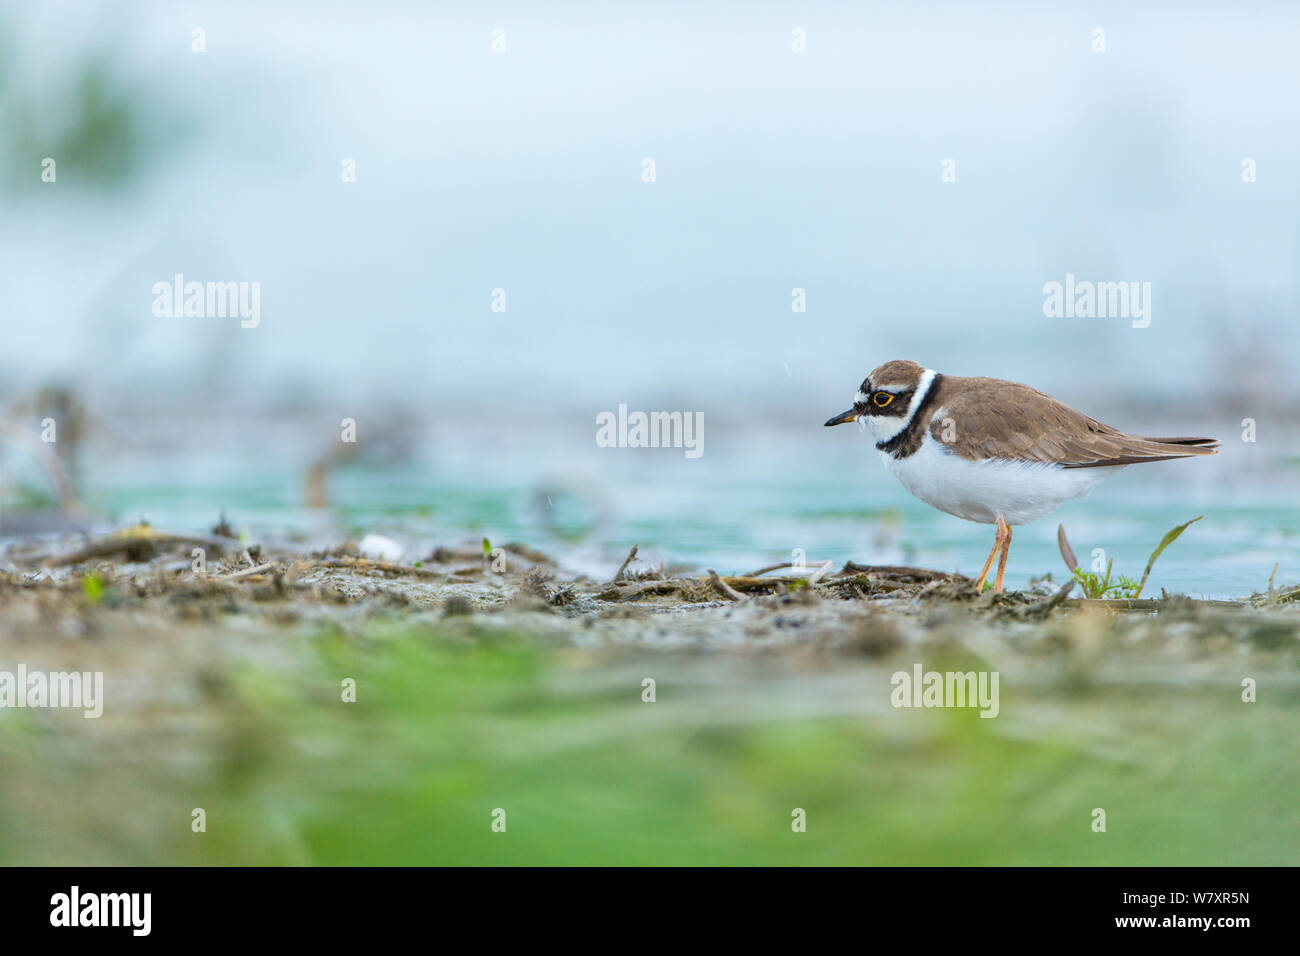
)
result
[(1100, 586)]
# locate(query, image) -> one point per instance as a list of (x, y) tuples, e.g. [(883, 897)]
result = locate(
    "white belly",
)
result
[(983, 490)]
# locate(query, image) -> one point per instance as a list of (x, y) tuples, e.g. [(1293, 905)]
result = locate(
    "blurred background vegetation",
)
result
[(452, 722)]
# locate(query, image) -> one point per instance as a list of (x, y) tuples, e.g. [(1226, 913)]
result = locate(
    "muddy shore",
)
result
[(80, 588)]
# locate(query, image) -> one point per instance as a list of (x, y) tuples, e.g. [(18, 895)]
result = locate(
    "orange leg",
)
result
[(984, 573), (1002, 561), (1000, 540)]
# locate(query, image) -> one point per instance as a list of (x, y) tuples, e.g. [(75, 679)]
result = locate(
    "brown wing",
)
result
[(990, 418)]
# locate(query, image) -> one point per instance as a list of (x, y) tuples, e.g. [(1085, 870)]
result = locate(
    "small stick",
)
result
[(812, 567), (631, 555), (724, 588), (613, 592), (1290, 594), (247, 572), (920, 575), (366, 564), (1046, 605), (875, 584)]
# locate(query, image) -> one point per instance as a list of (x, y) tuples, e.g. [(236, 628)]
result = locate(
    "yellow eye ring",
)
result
[(882, 399)]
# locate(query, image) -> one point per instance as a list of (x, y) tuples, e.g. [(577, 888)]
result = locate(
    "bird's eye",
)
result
[(882, 399)]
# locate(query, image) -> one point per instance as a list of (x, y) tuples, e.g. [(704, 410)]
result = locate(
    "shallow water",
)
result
[(749, 501)]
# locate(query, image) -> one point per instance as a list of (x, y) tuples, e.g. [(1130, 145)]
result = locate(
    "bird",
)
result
[(992, 451)]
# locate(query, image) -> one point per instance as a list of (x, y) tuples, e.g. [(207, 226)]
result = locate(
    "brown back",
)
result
[(991, 418)]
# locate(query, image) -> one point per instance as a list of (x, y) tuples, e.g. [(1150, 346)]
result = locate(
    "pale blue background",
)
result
[(775, 171)]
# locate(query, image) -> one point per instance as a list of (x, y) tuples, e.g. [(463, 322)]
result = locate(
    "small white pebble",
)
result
[(379, 548)]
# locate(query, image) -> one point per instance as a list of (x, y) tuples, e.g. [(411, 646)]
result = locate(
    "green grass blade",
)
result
[(1165, 542)]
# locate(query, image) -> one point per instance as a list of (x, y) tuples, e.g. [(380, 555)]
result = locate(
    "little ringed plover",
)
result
[(994, 452)]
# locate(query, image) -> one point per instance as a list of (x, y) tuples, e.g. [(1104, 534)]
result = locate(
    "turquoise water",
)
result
[(741, 506)]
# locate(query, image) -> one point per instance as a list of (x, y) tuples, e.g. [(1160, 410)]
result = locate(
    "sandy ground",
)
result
[(142, 579)]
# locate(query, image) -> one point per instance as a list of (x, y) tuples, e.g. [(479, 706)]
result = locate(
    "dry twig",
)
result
[(249, 572), (631, 556), (724, 588)]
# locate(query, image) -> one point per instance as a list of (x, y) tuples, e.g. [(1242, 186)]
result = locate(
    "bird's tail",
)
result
[(1188, 446)]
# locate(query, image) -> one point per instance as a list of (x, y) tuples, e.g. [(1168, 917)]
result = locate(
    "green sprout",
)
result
[(1100, 587), (94, 588)]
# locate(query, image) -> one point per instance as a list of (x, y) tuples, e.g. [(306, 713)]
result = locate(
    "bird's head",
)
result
[(887, 398)]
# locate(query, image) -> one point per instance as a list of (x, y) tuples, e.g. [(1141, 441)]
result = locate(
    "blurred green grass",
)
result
[(443, 732)]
